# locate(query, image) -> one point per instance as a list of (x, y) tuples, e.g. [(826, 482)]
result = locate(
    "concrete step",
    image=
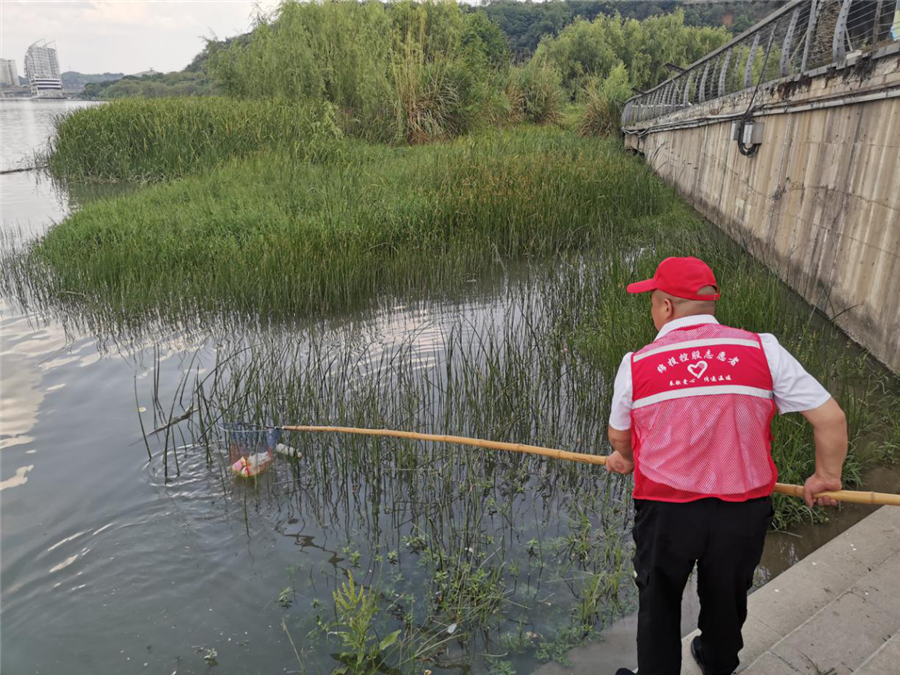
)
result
[(833, 610), (885, 661), (841, 636)]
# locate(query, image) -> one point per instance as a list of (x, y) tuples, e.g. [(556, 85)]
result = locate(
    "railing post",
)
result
[(724, 72), (687, 89), (810, 32), (748, 69), (839, 43), (877, 25), (701, 92), (788, 42)]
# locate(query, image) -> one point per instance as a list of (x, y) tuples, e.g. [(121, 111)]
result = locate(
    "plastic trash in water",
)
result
[(287, 451), (252, 448), (253, 465)]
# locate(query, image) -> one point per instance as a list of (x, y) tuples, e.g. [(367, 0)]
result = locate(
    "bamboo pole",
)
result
[(850, 496)]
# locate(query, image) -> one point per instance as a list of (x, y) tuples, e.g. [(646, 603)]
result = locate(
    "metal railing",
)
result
[(802, 36)]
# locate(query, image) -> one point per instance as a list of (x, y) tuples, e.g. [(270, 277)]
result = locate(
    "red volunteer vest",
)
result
[(701, 415)]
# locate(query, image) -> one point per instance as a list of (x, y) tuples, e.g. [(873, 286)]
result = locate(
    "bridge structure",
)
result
[(788, 138)]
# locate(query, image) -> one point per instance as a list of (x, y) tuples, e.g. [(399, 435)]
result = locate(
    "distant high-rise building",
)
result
[(42, 70), (8, 74)]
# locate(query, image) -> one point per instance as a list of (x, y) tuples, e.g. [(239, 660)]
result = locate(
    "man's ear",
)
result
[(668, 307)]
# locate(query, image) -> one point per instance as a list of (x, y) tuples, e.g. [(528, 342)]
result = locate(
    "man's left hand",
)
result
[(816, 484), (615, 463)]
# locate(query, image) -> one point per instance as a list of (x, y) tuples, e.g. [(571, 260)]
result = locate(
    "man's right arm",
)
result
[(830, 434), (798, 391)]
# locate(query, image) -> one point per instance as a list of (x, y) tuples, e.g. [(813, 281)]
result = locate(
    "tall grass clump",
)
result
[(535, 94), (396, 72), (147, 140), (399, 72), (270, 235), (604, 100)]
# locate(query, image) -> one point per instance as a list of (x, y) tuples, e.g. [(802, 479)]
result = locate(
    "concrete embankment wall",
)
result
[(819, 203)]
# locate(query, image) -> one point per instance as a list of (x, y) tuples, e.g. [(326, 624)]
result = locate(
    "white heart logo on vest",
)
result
[(697, 369)]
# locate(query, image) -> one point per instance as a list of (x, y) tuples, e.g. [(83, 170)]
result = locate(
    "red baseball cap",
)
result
[(681, 277)]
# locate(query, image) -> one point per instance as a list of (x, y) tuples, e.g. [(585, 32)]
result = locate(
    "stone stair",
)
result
[(836, 612)]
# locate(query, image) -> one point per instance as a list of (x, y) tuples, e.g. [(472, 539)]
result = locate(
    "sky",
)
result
[(121, 36)]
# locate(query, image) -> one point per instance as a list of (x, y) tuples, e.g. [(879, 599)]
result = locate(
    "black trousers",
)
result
[(725, 540)]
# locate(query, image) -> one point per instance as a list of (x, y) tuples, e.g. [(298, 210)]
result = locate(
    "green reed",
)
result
[(142, 140), (396, 72), (271, 236), (440, 530)]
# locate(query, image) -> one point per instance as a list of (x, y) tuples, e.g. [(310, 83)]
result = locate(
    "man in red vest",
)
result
[(691, 417)]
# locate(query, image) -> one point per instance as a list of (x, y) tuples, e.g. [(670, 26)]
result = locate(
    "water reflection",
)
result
[(27, 128), (20, 192), (20, 400), (20, 478)]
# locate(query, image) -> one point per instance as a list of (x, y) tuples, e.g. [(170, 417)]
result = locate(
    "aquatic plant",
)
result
[(535, 94), (143, 140), (356, 608), (269, 236), (604, 100), (449, 518)]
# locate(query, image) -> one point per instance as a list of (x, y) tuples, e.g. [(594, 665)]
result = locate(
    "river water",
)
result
[(107, 566)]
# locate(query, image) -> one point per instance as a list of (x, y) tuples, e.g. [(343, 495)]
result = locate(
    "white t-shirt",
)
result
[(794, 388)]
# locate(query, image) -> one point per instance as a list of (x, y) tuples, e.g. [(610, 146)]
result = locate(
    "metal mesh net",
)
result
[(251, 448)]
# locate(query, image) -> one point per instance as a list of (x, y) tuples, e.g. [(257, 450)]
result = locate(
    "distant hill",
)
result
[(192, 81), (73, 80), (183, 83)]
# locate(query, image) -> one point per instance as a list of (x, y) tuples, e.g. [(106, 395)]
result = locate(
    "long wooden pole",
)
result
[(850, 496)]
